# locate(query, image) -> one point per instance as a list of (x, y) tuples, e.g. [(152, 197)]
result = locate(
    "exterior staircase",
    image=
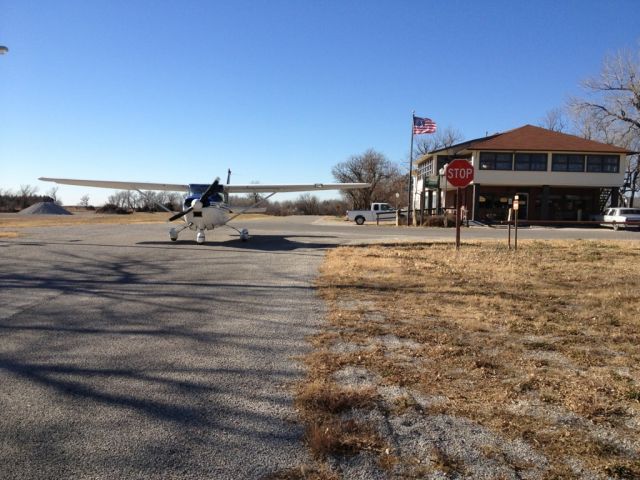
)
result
[(605, 198)]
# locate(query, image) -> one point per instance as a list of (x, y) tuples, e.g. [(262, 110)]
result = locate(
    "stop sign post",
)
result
[(459, 173)]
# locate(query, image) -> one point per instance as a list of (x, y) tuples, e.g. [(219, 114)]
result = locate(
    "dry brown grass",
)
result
[(8, 234), (84, 218), (540, 345), (327, 397), (322, 402), (341, 437)]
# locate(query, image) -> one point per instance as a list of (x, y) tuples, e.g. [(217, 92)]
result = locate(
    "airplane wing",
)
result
[(169, 187), (259, 188)]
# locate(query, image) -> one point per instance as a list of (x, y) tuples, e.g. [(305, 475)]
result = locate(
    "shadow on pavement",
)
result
[(268, 243), (130, 364)]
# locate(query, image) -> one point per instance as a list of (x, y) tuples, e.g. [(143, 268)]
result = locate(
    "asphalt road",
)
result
[(342, 231), (123, 355)]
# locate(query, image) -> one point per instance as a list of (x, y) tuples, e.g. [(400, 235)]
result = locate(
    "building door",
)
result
[(523, 211)]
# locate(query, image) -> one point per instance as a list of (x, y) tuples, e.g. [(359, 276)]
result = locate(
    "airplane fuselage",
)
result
[(206, 217)]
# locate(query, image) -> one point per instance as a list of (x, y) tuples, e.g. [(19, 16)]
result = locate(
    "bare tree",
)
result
[(25, 197), (614, 95), (554, 120), (123, 199), (174, 201), (25, 193), (444, 138), (84, 201), (308, 204), (27, 190), (370, 167), (148, 201), (53, 194), (611, 111), (281, 208)]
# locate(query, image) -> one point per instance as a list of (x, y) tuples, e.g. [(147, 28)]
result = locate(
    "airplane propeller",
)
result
[(203, 199)]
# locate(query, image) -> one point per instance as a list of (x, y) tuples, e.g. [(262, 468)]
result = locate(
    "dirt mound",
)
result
[(44, 208)]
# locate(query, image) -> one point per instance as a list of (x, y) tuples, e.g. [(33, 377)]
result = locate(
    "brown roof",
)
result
[(530, 138)]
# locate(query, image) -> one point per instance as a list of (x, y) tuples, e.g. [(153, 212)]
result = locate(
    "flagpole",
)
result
[(409, 204)]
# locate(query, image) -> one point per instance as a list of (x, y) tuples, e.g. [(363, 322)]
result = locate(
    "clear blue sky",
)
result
[(279, 91)]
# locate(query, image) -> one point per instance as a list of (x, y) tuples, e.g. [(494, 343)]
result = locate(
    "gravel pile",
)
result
[(44, 208)]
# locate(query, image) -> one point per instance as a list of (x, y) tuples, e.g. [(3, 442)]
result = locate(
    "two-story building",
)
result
[(557, 176)]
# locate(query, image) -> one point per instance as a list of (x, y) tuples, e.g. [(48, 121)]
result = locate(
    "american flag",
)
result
[(423, 125)]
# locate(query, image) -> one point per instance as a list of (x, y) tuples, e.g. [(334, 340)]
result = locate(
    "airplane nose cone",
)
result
[(197, 205)]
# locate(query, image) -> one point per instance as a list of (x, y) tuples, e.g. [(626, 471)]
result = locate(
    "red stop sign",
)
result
[(459, 173)]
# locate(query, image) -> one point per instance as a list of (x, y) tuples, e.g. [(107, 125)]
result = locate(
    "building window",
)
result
[(531, 161), (428, 168), (603, 163), (425, 169), (562, 162), (496, 161)]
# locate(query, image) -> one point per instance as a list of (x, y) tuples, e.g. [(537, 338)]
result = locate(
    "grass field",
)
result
[(83, 218), (482, 363)]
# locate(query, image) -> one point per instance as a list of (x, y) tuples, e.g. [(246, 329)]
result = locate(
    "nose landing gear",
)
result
[(173, 233)]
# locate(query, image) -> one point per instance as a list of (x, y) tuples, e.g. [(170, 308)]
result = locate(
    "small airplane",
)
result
[(206, 206)]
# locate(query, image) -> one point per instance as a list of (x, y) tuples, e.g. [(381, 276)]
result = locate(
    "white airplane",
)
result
[(205, 206)]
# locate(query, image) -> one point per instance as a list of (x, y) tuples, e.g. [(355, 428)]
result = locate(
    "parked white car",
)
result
[(620, 217)]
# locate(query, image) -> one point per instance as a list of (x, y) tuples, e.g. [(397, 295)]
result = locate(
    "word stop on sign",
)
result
[(460, 173)]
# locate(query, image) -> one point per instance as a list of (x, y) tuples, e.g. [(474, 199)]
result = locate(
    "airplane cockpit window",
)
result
[(213, 198), (197, 189)]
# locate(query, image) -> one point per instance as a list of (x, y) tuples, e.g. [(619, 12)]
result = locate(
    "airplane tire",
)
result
[(359, 220)]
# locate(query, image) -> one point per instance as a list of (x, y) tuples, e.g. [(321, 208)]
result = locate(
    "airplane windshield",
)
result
[(197, 189)]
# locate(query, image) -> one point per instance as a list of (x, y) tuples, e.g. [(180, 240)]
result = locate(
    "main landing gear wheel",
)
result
[(173, 235), (200, 237), (244, 235)]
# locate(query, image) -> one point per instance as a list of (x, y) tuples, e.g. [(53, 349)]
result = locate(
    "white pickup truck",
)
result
[(378, 211)]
